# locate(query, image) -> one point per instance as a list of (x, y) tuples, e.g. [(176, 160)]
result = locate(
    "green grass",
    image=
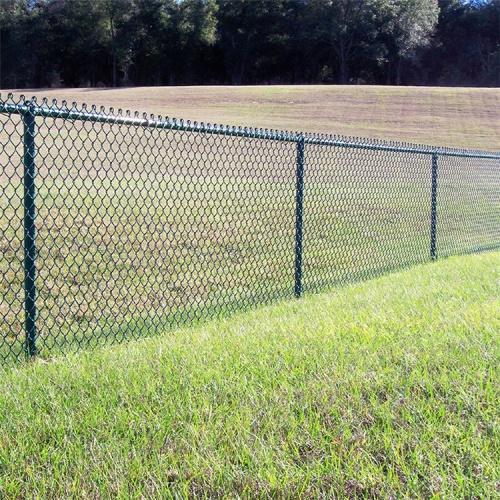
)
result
[(381, 389)]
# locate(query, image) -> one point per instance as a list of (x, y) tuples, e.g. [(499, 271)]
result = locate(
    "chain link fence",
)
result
[(117, 226)]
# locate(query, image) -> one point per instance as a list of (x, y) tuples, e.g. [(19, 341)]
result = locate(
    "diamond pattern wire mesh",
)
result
[(366, 212), (469, 205), (143, 224), (11, 236)]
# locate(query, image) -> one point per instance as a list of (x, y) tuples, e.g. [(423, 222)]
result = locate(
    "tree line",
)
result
[(91, 43)]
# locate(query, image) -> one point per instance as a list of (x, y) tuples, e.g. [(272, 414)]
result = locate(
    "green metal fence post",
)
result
[(299, 200), (434, 205), (29, 231)]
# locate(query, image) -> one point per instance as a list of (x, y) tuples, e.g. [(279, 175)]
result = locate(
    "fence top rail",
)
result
[(100, 115)]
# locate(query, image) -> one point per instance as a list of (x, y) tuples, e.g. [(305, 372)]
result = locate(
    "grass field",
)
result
[(139, 230), (386, 388), (381, 389), (453, 117)]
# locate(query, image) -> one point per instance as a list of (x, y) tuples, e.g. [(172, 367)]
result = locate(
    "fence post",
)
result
[(434, 205), (29, 231), (299, 199)]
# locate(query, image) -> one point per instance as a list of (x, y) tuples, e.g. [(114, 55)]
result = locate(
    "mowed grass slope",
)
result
[(453, 117), (382, 389)]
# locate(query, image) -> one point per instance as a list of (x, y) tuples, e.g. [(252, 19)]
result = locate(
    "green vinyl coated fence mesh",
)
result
[(116, 226)]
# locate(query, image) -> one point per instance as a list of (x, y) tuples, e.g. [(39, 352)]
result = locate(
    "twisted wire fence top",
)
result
[(99, 114), (116, 225)]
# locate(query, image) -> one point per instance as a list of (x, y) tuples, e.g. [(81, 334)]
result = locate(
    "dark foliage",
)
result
[(50, 43)]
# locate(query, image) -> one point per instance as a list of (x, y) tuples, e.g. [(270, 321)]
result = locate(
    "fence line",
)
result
[(102, 116), (133, 224)]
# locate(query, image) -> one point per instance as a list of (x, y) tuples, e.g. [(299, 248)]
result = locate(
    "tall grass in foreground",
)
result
[(387, 388)]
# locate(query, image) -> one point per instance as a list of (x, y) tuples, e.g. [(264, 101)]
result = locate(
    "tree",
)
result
[(158, 42), (466, 47), (196, 32), (345, 26), (116, 16), (69, 43), (155, 43), (15, 17), (248, 36), (411, 24)]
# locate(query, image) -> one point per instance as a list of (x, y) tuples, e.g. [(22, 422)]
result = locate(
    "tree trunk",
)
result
[(343, 69), (399, 71), (343, 52), (113, 57)]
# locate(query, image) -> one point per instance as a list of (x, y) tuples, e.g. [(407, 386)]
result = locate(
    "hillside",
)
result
[(454, 117)]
